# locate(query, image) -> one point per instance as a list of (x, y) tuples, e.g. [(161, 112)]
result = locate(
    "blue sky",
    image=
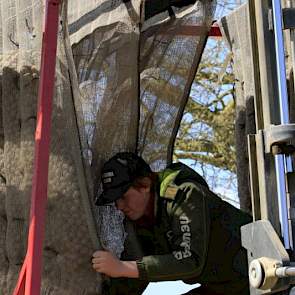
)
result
[(171, 288)]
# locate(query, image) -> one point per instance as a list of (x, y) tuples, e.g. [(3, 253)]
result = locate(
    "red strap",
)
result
[(193, 30), (215, 31)]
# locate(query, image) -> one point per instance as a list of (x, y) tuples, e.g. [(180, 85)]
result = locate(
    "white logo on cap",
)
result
[(122, 161), (108, 174), (107, 180), (107, 177)]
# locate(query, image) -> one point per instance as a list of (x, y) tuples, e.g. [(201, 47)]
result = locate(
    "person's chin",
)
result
[(133, 217)]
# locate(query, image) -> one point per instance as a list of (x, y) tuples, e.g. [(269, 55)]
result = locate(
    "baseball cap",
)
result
[(118, 174)]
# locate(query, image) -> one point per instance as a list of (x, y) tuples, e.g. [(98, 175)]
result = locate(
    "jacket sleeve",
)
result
[(189, 221)]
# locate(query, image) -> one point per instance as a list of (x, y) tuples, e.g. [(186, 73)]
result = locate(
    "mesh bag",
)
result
[(123, 75)]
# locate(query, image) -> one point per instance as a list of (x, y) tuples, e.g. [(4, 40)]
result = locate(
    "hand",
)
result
[(107, 263)]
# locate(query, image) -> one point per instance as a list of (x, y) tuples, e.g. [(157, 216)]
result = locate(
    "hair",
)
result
[(139, 181)]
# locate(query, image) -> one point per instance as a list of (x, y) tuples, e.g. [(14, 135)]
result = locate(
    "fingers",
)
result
[(103, 262), (100, 256), (98, 259), (98, 268), (99, 253), (97, 264)]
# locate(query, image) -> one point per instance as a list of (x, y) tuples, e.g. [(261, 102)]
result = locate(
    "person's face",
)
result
[(134, 202)]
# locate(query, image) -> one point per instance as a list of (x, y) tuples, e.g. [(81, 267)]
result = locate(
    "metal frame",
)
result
[(284, 119), (29, 282), (273, 142)]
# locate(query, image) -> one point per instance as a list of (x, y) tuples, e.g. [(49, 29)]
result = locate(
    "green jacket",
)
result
[(196, 237)]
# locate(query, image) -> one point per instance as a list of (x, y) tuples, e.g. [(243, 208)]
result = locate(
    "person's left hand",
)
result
[(107, 263)]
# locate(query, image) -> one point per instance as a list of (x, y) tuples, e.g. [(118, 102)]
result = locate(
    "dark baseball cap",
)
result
[(118, 174)]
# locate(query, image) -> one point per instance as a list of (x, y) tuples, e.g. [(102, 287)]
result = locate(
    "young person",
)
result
[(185, 231)]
